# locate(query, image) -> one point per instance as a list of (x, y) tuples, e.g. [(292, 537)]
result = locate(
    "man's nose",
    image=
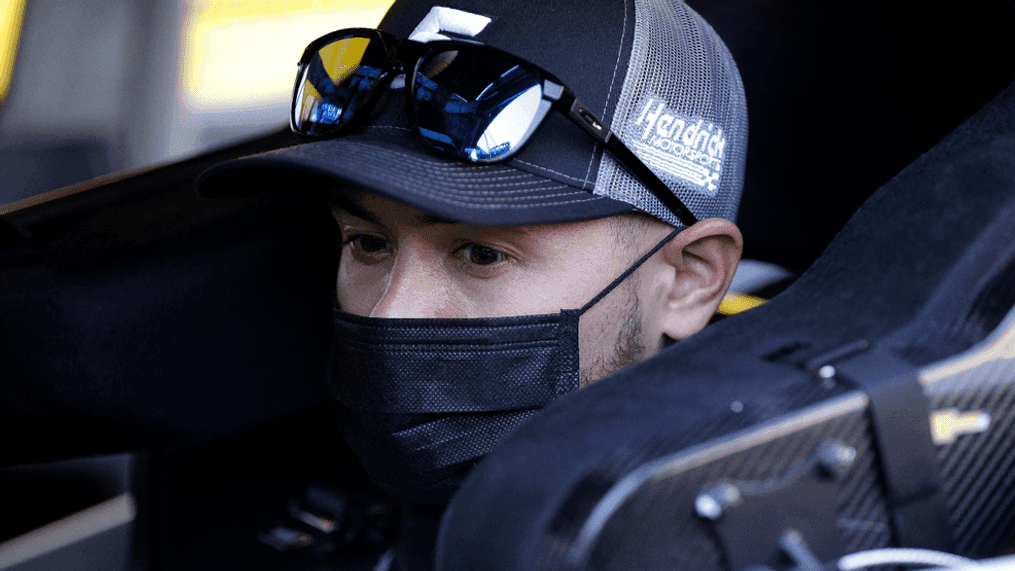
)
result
[(418, 287)]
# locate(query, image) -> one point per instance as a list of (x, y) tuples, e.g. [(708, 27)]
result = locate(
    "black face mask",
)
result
[(420, 401)]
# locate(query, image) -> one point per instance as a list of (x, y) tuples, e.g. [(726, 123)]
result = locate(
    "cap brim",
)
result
[(397, 167)]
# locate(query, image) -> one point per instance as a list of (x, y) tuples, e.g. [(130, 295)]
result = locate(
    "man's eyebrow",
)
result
[(434, 219), (341, 203)]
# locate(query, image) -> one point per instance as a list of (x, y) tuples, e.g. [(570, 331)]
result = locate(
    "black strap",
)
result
[(899, 415), (630, 270)]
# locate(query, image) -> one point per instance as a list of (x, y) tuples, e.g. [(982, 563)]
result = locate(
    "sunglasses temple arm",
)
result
[(585, 119), (658, 188)]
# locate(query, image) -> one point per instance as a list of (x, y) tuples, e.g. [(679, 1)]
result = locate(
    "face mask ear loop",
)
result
[(629, 271)]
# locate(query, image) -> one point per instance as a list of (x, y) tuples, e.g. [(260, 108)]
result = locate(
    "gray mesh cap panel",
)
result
[(682, 111)]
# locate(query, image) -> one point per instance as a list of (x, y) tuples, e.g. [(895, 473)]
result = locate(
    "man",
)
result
[(516, 221)]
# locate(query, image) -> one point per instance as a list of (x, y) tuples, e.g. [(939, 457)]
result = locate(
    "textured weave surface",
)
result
[(978, 473), (682, 110)]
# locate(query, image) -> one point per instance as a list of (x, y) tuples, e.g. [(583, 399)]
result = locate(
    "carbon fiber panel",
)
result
[(630, 540), (978, 469), (647, 518)]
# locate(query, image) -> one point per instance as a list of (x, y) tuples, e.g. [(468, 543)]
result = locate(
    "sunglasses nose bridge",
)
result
[(397, 66)]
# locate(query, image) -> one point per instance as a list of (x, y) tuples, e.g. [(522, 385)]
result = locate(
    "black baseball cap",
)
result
[(655, 72)]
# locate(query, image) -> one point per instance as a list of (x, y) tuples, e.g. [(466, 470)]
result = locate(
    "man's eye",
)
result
[(481, 255), (367, 243)]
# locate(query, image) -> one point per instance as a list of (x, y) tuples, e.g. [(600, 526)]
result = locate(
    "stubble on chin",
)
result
[(629, 347)]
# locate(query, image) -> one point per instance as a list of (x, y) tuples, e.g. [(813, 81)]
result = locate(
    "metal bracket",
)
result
[(784, 522)]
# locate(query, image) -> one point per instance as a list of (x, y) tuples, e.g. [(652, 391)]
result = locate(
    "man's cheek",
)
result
[(359, 291)]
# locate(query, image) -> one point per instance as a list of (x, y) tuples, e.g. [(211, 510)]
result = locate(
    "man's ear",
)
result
[(698, 266)]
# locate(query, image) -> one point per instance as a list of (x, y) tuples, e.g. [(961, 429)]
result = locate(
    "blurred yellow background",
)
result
[(11, 13), (241, 53), (92, 87)]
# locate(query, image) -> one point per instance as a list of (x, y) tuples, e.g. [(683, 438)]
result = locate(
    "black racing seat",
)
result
[(798, 431)]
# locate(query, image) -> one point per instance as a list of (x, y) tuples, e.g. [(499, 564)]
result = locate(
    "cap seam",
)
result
[(461, 167), (447, 200), (464, 192), (425, 192), (451, 167), (535, 166), (471, 192), (609, 93), (386, 127)]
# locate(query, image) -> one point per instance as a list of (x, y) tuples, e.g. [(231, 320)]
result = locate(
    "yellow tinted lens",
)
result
[(342, 58), (336, 80)]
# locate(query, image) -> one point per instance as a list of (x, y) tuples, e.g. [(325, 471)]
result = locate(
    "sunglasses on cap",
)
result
[(464, 99)]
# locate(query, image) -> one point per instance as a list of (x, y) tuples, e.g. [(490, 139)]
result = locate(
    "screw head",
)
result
[(835, 457), (711, 503)]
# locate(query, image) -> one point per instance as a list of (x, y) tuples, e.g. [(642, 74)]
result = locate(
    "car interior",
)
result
[(163, 353)]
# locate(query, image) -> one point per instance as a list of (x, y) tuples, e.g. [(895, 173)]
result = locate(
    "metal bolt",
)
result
[(836, 457), (711, 503), (707, 507)]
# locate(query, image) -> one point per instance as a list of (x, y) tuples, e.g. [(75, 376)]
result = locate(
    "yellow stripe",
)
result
[(11, 14), (734, 303)]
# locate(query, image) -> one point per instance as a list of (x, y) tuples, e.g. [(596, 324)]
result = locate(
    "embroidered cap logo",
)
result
[(684, 147)]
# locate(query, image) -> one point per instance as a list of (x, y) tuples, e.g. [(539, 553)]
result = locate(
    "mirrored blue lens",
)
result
[(475, 105), (335, 83)]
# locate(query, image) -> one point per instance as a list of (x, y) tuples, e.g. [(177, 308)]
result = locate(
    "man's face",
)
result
[(400, 262)]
